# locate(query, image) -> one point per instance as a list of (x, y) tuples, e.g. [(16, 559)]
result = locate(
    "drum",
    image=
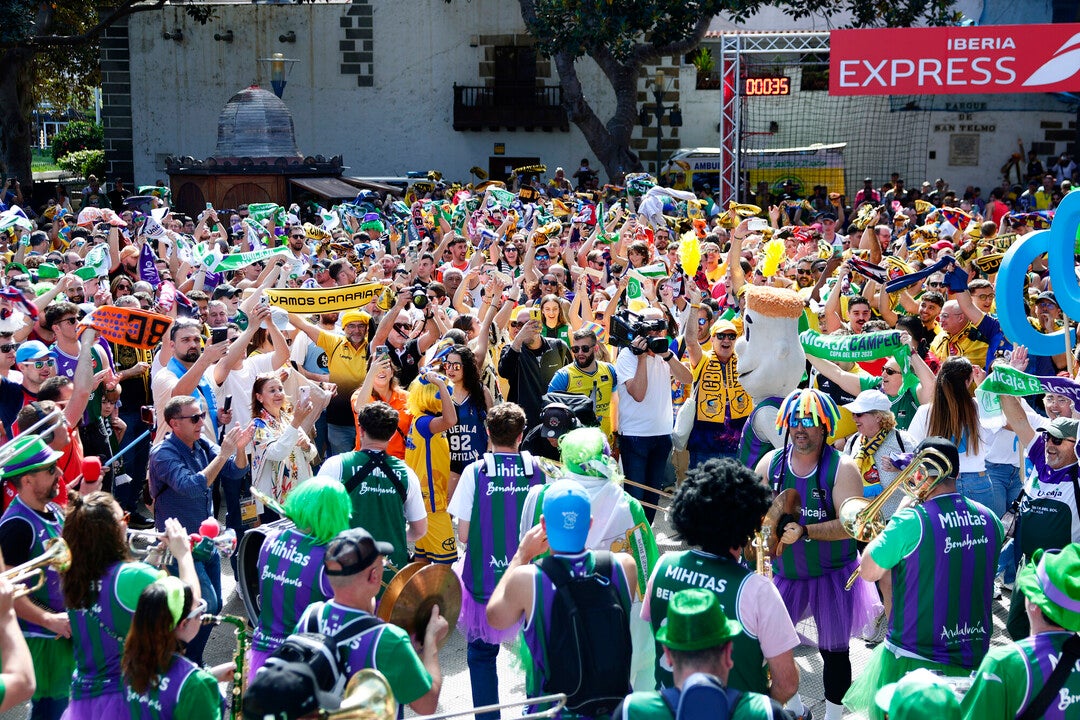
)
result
[(247, 565)]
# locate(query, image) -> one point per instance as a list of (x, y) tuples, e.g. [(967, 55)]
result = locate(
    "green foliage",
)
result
[(84, 162), (874, 13), (76, 136), (703, 61)]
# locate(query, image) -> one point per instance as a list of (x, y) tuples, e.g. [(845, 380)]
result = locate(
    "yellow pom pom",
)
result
[(774, 253)]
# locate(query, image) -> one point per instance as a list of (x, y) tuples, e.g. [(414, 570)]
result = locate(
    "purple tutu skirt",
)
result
[(474, 625), (839, 614), (111, 705)]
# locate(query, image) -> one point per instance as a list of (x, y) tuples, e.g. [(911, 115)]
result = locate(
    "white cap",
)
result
[(869, 400)]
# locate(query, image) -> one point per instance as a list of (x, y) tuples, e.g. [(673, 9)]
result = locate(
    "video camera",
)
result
[(626, 325)]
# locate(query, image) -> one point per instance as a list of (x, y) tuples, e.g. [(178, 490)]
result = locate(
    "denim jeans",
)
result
[(232, 490), (645, 461), (483, 676), (977, 486), (342, 438), (209, 573), (135, 461), (1007, 486), (48, 708), (697, 457)]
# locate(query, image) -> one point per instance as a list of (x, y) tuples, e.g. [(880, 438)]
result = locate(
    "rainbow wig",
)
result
[(585, 452), (424, 397), (320, 507), (808, 402)]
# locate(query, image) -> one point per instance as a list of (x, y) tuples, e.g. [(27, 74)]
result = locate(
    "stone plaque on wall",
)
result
[(963, 149)]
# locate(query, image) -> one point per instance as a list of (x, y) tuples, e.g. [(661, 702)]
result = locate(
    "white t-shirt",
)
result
[(414, 501), (654, 415), (239, 382), (969, 462)]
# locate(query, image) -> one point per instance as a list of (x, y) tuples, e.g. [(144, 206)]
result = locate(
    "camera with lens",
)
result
[(419, 296), (625, 326)]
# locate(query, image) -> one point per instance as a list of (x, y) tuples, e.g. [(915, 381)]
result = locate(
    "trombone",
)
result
[(863, 519), (56, 555), (555, 470), (368, 697)]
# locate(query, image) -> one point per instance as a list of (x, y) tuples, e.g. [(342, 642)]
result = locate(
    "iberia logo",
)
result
[(1061, 67)]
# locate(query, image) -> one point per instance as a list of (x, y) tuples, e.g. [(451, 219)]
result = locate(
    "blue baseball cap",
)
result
[(31, 350), (567, 516)]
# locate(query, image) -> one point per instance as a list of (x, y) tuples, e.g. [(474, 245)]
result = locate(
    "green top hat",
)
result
[(1052, 582), (47, 271), (695, 622), (919, 694), (30, 453)]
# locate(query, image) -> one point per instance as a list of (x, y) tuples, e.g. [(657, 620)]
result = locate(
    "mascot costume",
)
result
[(771, 364)]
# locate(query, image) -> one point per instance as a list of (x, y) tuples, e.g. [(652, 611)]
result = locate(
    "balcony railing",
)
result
[(525, 106)]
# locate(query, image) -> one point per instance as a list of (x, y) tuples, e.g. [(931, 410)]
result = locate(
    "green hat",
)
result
[(86, 273), (919, 694), (46, 271), (1063, 428), (1052, 582), (17, 266), (695, 622), (29, 453)]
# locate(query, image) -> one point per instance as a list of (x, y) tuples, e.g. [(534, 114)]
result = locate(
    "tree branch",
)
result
[(128, 7), (645, 53)]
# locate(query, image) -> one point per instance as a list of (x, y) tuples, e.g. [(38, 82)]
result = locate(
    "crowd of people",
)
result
[(513, 379)]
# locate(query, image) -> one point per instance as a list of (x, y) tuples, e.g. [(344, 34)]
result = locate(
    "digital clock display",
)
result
[(779, 85)]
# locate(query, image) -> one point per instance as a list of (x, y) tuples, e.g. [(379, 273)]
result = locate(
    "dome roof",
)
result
[(255, 123)]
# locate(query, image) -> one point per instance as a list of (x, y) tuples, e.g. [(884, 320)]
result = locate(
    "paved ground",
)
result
[(456, 694)]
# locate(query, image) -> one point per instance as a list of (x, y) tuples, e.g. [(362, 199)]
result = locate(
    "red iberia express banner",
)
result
[(955, 60)]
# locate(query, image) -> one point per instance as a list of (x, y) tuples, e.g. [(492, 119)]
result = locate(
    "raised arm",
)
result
[(848, 381)]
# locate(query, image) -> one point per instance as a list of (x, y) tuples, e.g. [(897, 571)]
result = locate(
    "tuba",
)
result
[(863, 520)]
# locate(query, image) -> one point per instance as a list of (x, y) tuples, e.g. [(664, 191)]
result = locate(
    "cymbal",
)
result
[(787, 502), (412, 593)]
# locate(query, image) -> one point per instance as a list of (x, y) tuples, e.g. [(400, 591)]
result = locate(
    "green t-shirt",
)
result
[(904, 405), (652, 706), (1011, 676)]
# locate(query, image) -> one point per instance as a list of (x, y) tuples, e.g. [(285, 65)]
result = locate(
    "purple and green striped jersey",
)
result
[(946, 547), (538, 624), (291, 577), (811, 558), (98, 632), (384, 647), (502, 484), (751, 447), (162, 701), (48, 595), (723, 576), (1011, 677)]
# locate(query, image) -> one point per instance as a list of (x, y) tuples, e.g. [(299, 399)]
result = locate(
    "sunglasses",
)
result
[(725, 336), (403, 329), (806, 422), (195, 419), (890, 371), (71, 320), (39, 364), (516, 324), (581, 348), (1055, 441), (511, 249), (935, 284), (804, 272), (10, 347), (452, 365), (549, 282)]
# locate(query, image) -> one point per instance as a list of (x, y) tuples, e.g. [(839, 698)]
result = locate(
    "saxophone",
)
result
[(243, 638), (761, 554)]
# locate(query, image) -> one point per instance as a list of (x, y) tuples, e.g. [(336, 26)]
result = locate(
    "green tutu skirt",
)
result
[(886, 667)]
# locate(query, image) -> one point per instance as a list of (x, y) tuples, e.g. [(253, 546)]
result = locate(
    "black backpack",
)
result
[(588, 643)]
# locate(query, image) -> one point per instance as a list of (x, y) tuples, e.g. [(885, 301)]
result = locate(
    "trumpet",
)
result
[(56, 555), (152, 548), (863, 520), (368, 697)]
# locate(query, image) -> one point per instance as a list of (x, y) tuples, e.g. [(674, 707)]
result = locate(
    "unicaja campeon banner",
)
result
[(854, 348), (953, 60), (319, 300)]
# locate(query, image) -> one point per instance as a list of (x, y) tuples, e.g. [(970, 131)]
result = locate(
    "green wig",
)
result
[(320, 506), (582, 452)]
